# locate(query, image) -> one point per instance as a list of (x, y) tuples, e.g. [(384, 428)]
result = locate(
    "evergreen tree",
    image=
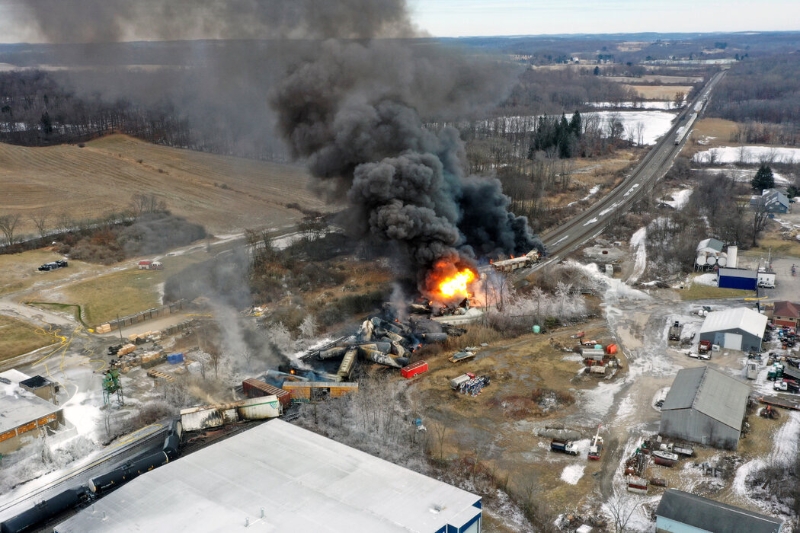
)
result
[(575, 125), (763, 179)]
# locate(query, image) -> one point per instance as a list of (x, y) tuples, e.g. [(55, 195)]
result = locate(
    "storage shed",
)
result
[(681, 512), (737, 278), (735, 329), (705, 406), (279, 477)]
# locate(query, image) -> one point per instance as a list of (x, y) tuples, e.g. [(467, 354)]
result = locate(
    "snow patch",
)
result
[(572, 474), (753, 155), (679, 199), (638, 243), (709, 279)]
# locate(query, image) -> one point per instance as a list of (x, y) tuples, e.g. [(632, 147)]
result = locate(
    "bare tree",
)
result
[(147, 203), (621, 508), (39, 219), (8, 225), (65, 223), (439, 434), (760, 217)]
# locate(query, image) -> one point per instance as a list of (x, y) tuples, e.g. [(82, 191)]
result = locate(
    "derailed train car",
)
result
[(74, 497), (45, 510)]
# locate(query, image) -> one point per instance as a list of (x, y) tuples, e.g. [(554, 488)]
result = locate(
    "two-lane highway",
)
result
[(566, 238)]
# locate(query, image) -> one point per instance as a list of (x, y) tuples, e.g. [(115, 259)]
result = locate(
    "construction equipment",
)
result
[(596, 447)]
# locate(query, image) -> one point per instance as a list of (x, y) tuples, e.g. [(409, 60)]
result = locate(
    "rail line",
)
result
[(567, 237)]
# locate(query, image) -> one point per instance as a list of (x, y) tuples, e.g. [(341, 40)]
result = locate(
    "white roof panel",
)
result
[(303, 481), (742, 318)]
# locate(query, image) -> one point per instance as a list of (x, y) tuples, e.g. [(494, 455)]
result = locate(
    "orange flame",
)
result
[(457, 285)]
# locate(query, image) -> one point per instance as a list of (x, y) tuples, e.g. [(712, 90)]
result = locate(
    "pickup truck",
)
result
[(564, 446)]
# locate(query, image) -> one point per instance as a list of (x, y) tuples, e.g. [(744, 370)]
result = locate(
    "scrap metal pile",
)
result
[(388, 343)]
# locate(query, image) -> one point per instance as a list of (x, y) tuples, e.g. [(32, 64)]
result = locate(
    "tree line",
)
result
[(758, 92)]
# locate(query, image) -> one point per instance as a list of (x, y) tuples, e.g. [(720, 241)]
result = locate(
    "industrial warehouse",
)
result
[(705, 406), (24, 414), (279, 477), (735, 329)]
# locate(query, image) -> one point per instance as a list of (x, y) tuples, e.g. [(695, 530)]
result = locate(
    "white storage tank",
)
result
[(701, 259)]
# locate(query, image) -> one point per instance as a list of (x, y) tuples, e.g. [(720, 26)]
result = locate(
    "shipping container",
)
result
[(197, 418), (175, 358), (413, 369), (259, 408), (318, 390), (255, 388)]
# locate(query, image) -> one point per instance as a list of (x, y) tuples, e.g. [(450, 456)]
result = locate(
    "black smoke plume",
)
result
[(350, 93), (353, 113)]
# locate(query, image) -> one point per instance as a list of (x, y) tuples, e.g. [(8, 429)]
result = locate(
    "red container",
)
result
[(413, 369), (255, 388)]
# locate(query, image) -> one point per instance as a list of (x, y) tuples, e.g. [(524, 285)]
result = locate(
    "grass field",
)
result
[(696, 291), (20, 270), (17, 338), (660, 92), (223, 193), (107, 294)]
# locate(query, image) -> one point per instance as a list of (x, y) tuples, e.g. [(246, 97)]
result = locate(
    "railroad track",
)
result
[(568, 237), (134, 444)]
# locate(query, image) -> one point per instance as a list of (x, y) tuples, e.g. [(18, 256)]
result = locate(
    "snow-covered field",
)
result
[(654, 122), (743, 175), (660, 105), (749, 155)]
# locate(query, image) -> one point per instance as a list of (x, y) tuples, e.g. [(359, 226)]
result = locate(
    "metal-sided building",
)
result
[(280, 477), (682, 512), (705, 406), (735, 329), (736, 278), (23, 414)]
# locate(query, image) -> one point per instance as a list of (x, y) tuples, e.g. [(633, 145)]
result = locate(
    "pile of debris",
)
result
[(381, 341)]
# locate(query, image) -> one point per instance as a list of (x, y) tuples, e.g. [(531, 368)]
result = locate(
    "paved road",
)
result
[(568, 237)]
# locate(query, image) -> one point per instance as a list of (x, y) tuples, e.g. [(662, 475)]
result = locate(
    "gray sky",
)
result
[(453, 18)]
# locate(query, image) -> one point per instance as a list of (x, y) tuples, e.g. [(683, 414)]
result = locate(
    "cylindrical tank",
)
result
[(722, 261), (711, 260), (701, 260)]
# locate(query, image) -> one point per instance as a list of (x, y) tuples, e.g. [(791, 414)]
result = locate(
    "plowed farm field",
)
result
[(224, 194)]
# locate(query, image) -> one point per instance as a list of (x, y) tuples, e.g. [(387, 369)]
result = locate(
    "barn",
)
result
[(681, 512), (737, 278), (705, 406), (735, 329)]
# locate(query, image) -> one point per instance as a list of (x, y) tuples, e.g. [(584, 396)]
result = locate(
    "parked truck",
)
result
[(564, 446), (704, 347)]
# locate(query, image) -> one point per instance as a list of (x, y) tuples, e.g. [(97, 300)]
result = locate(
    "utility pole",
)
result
[(119, 326)]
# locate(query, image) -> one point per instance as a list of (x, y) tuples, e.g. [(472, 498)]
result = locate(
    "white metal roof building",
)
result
[(705, 406), (278, 477), (23, 414), (735, 329), (682, 511)]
